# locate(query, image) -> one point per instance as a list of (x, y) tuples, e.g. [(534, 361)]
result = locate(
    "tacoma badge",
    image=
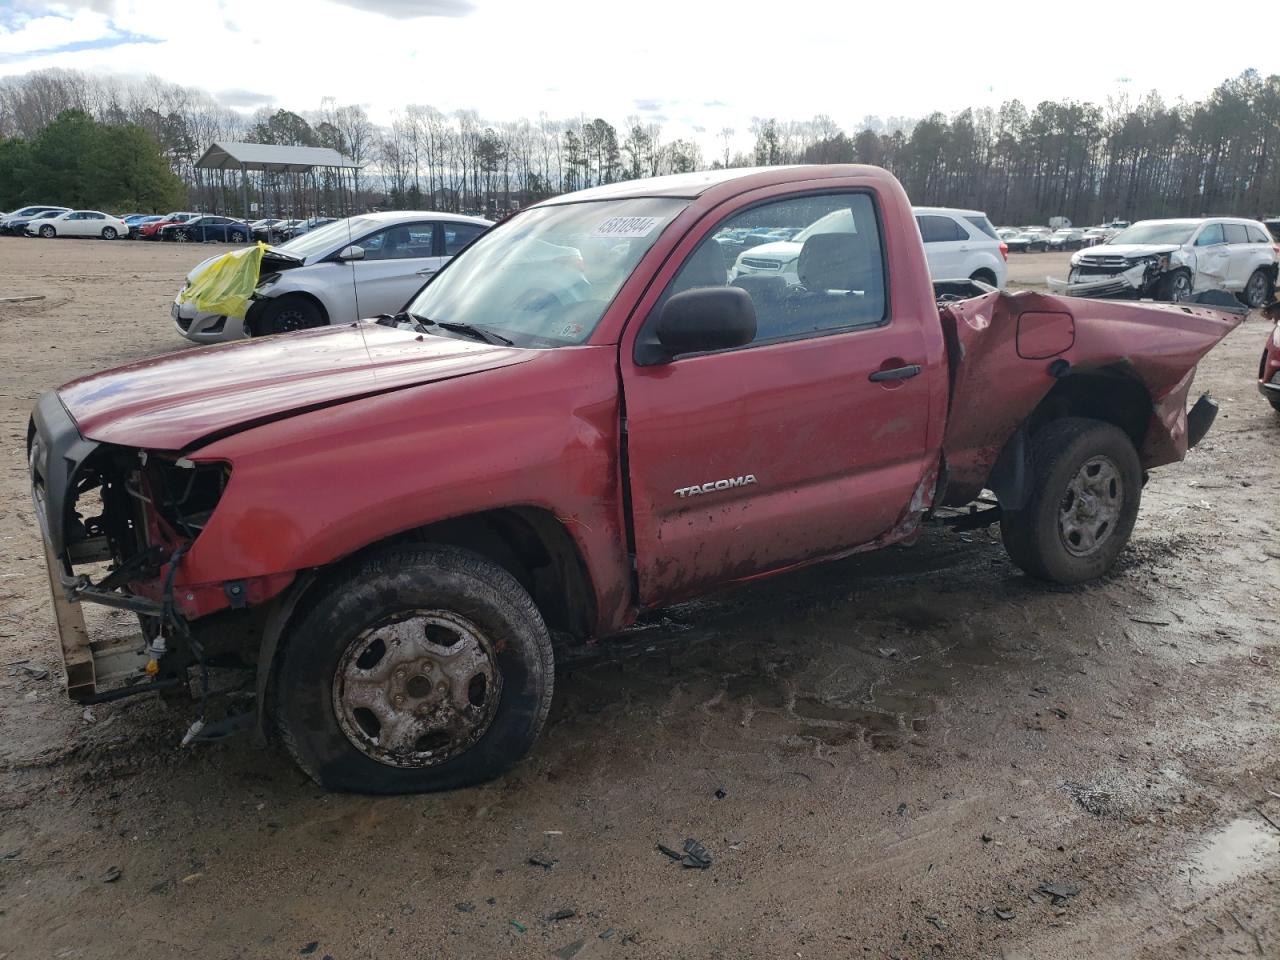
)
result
[(712, 485)]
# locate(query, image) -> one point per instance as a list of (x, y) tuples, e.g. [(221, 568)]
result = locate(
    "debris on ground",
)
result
[(564, 913), (1060, 892), (465, 906), (607, 934), (937, 922), (721, 793), (1151, 623), (1003, 914), (695, 854), (546, 863), (310, 948), (520, 927), (112, 875), (570, 950)]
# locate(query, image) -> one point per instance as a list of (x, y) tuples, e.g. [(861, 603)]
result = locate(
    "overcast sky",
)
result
[(693, 65)]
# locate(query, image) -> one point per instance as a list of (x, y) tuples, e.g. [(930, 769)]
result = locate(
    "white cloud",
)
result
[(697, 64)]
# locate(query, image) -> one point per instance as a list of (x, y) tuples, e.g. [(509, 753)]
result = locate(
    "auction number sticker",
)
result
[(625, 228)]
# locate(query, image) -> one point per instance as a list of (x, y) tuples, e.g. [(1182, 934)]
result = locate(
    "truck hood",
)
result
[(1130, 251), (181, 400)]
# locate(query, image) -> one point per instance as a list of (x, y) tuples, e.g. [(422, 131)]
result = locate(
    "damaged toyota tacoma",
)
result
[(583, 416)]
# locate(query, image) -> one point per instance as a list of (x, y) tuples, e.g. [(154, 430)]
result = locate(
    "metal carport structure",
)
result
[(270, 158)]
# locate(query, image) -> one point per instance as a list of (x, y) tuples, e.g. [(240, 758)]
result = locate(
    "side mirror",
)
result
[(353, 252), (702, 319)]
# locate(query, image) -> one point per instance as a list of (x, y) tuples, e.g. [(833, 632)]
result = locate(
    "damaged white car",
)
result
[(1174, 259)]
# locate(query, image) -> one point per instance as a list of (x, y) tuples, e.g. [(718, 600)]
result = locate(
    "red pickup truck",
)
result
[(584, 415)]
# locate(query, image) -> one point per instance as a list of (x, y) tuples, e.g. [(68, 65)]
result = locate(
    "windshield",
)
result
[(545, 277), (1170, 231), (327, 236)]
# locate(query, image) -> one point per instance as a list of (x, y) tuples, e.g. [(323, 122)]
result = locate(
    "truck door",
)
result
[(804, 443)]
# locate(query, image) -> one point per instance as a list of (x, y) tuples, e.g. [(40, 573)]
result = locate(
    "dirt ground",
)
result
[(886, 756)]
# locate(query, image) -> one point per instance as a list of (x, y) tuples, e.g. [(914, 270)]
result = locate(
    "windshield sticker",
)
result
[(625, 228)]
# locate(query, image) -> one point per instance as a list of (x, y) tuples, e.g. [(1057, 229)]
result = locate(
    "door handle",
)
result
[(425, 272), (896, 373)]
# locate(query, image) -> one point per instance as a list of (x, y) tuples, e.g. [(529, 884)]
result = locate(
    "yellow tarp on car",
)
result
[(227, 283)]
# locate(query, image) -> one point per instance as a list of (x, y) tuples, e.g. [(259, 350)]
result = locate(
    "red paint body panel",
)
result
[(835, 457), (994, 389), (171, 402), (309, 489), (341, 437)]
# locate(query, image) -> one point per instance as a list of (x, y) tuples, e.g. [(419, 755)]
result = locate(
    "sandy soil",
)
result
[(886, 757)]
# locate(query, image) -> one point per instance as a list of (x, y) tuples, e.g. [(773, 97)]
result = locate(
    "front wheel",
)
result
[(1174, 287), (48, 232), (286, 314), (1087, 485), (1256, 290), (237, 238), (420, 668)]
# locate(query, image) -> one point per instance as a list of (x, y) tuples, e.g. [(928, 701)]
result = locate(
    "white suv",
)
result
[(962, 244), (959, 245), (1175, 259)]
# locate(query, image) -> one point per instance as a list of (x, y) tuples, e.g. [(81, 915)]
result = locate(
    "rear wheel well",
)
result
[(1110, 395), (984, 275)]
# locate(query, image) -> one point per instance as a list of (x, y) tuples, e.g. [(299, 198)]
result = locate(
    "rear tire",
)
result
[(984, 276), (109, 233), (287, 314), (419, 668), (1087, 486)]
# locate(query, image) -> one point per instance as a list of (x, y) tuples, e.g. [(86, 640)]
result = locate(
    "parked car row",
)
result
[(180, 226)]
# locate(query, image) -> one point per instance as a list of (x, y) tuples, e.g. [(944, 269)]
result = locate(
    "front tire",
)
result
[(1256, 290), (419, 668), (48, 232), (1174, 287), (1087, 486), (287, 314), (237, 238)]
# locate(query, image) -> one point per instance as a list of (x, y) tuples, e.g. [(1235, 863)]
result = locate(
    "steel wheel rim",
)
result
[(418, 690), (1181, 288), (1090, 508)]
